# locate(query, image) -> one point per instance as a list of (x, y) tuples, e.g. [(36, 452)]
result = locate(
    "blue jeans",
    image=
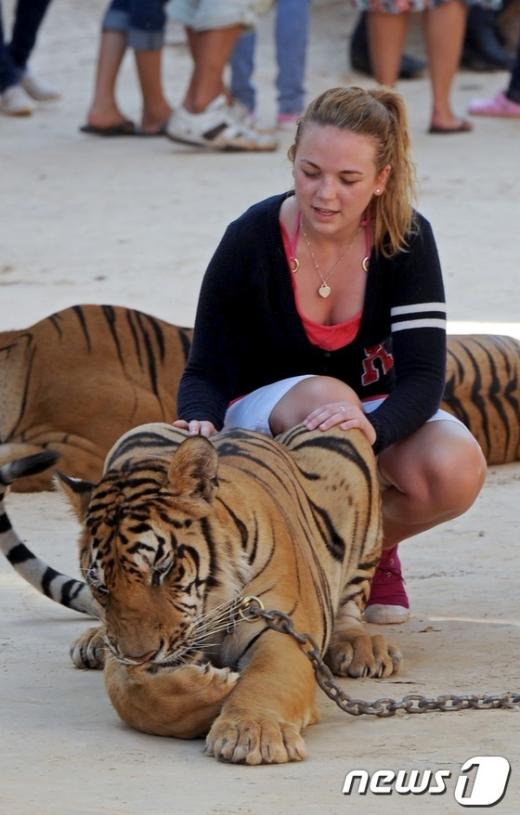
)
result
[(513, 91), (291, 34), (142, 22), (15, 55)]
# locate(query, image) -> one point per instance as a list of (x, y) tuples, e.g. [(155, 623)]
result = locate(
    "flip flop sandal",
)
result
[(463, 127), (126, 128)]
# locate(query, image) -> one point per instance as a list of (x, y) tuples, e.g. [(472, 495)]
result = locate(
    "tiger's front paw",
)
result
[(88, 651), (364, 655), (214, 683), (254, 741)]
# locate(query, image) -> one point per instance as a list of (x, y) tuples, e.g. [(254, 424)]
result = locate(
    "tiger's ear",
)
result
[(193, 469), (77, 492)]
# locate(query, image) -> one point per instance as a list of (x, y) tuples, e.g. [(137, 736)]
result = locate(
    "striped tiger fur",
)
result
[(483, 391), (78, 379), (58, 587), (177, 529)]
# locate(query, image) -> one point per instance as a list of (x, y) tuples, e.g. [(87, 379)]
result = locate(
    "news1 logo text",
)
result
[(481, 782)]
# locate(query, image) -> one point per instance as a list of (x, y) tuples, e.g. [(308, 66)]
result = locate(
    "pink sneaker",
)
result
[(388, 602), (499, 105), (288, 121)]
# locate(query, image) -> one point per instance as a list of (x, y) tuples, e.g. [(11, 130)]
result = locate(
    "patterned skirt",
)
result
[(404, 6)]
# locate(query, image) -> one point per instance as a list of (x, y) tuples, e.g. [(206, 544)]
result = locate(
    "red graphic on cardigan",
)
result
[(371, 372)]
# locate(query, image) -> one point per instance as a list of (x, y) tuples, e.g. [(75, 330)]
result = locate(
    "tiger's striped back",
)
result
[(483, 391), (78, 379)]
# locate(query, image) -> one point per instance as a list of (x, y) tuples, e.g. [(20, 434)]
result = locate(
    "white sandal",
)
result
[(218, 128)]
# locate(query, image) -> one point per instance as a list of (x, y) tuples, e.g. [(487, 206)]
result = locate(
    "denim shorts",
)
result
[(142, 23), (205, 15)]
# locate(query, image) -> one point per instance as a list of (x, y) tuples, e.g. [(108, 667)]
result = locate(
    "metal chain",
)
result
[(251, 609)]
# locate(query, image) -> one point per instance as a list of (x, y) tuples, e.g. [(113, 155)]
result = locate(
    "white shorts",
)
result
[(205, 15), (252, 412)]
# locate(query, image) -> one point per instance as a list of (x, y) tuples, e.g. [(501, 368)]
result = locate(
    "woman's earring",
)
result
[(378, 191)]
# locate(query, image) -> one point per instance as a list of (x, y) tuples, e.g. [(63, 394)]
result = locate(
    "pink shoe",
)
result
[(499, 105), (388, 602), (288, 121)]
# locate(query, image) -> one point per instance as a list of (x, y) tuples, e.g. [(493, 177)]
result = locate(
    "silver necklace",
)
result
[(324, 289)]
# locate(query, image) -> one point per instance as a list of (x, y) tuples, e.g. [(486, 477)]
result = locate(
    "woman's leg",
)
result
[(104, 111), (156, 109), (305, 397), (146, 37), (433, 475), (444, 31), (386, 37), (211, 50)]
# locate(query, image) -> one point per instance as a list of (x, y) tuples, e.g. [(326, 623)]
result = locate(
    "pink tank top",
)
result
[(328, 337)]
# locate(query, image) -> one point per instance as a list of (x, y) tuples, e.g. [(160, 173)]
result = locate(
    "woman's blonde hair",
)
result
[(380, 114)]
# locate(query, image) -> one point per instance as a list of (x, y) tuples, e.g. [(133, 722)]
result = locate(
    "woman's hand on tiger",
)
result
[(196, 427), (344, 414)]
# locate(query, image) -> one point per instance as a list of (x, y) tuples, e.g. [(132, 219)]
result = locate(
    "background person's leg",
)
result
[(291, 37), (13, 99), (211, 51), (104, 111), (444, 32), (386, 38), (504, 104), (28, 18), (146, 37), (513, 91), (242, 64), (8, 74)]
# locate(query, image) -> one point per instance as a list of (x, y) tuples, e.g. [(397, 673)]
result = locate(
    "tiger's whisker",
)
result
[(222, 608), (212, 620), (222, 625)]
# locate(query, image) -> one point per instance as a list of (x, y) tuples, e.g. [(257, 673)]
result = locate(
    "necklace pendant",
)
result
[(324, 290)]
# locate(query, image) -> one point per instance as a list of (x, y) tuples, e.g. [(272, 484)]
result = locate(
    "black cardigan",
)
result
[(248, 332)]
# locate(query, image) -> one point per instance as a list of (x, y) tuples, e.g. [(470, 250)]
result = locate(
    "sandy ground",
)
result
[(134, 222)]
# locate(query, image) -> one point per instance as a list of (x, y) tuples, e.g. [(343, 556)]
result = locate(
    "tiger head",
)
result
[(147, 550)]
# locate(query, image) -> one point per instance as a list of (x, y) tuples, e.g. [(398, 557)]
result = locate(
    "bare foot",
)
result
[(449, 123), (155, 121), (105, 117)]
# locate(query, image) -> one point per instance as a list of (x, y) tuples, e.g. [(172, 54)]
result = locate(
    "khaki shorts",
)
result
[(205, 15)]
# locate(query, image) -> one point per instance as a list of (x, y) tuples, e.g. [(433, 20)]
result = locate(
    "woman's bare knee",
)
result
[(442, 477), (306, 396)]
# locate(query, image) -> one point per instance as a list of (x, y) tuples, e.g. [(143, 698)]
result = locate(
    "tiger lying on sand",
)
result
[(178, 529), (75, 381)]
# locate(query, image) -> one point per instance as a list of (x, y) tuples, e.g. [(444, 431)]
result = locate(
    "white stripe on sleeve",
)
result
[(426, 323), (418, 307)]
